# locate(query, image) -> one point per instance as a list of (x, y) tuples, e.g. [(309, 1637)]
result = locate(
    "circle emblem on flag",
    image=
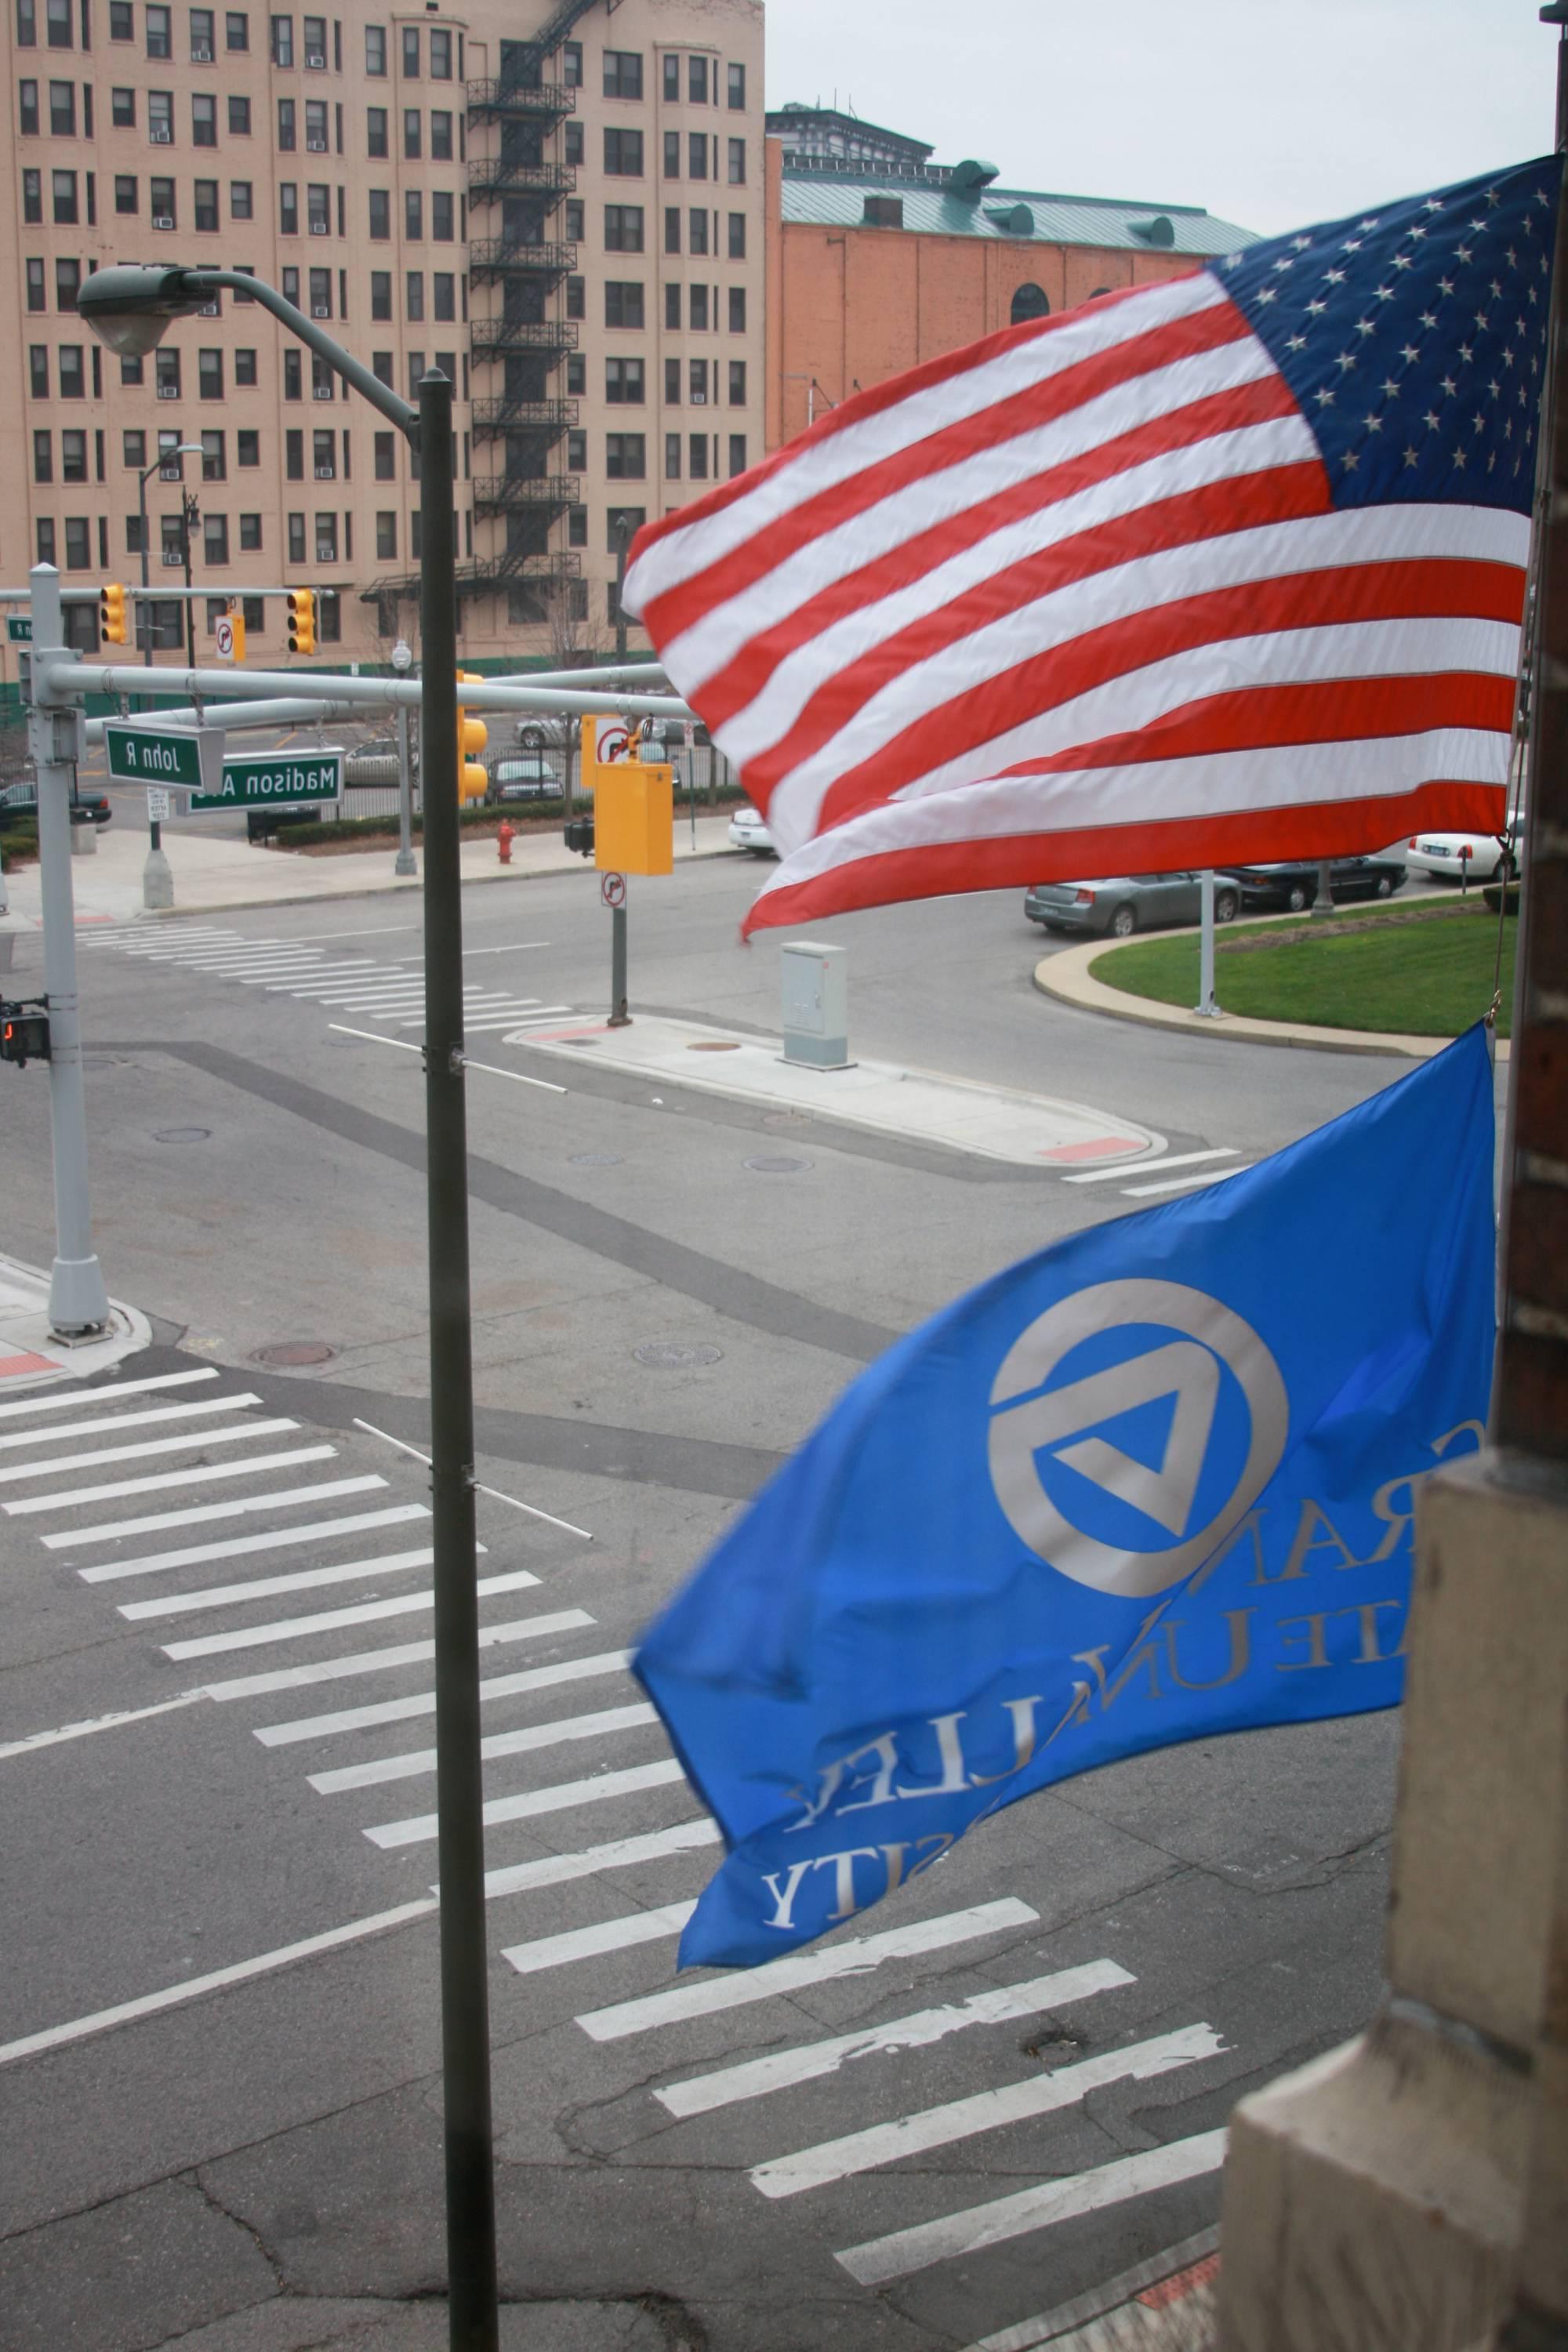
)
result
[(1133, 1426)]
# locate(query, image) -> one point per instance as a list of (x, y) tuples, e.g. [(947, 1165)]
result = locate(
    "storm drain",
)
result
[(289, 1355)]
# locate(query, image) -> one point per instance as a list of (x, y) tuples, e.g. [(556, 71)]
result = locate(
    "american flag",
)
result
[(1223, 569)]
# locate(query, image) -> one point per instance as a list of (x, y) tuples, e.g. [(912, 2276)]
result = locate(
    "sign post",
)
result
[(403, 662)]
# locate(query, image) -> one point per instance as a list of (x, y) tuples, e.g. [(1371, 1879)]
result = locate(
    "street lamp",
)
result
[(185, 449), (129, 306), (157, 881)]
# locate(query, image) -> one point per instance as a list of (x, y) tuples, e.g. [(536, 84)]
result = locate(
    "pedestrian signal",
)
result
[(111, 614), (472, 737), (302, 621), (23, 1033)]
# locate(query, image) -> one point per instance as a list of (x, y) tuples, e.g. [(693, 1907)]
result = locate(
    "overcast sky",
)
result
[(1272, 115)]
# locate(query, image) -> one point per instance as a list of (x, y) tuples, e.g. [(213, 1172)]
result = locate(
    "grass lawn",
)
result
[(1427, 974)]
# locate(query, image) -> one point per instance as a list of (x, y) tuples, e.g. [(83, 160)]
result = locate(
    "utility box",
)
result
[(816, 1004), (634, 819)]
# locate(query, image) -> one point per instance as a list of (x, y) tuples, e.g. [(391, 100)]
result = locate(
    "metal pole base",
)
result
[(404, 863), (619, 1017), (78, 1303), (157, 881)]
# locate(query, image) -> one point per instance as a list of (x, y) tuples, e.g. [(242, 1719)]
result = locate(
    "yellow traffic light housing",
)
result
[(236, 635), (302, 621), (111, 614), (472, 736)]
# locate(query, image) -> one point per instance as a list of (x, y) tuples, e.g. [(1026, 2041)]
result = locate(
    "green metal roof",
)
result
[(836, 199)]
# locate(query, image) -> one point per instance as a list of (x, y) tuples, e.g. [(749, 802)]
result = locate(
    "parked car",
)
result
[(374, 762), (1121, 904), (747, 831), (522, 776), (19, 804), (1460, 856), (1294, 884)]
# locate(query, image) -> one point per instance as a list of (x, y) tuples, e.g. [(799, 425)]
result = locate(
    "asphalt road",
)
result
[(250, 1591)]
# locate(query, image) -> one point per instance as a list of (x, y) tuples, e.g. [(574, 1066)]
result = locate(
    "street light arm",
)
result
[(380, 396)]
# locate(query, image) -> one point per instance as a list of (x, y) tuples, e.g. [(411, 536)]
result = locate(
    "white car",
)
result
[(747, 831), (1459, 856)]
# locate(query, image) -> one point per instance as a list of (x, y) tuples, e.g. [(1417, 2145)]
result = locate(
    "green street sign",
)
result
[(191, 756), (282, 780), (19, 628)]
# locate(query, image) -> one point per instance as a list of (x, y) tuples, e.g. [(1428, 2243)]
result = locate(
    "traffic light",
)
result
[(302, 621), (235, 622), (580, 836), (23, 1033), (472, 737), (111, 614)]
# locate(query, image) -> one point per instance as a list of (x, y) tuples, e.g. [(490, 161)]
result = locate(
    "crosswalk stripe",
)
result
[(1180, 1183), (616, 1853), (150, 1446), (533, 1736), (421, 1829), (265, 1588), (145, 1419), (364, 1613), (498, 1017), (754, 2078), (238, 1546), (589, 1943), (402, 1653), (344, 993), (500, 1021), (903, 2251), (58, 1402), (856, 1953), (1150, 1167), (956, 2119), (163, 1481), (399, 1710), (327, 1490)]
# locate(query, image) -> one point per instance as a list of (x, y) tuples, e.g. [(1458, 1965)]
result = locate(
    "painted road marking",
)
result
[(56, 1400), (616, 1853), (364, 1613), (57, 1462), (266, 1588), (609, 1936), (561, 1797), (403, 1654), (399, 1710), (1170, 1159), (99, 1426), (554, 1734), (203, 1514), (239, 1547), (115, 1489)]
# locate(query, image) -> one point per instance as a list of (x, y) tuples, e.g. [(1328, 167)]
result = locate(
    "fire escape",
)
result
[(521, 419)]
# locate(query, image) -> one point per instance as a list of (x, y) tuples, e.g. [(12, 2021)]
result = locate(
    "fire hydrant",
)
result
[(503, 842)]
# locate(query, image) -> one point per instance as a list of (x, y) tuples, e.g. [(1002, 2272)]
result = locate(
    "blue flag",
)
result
[(1154, 1484)]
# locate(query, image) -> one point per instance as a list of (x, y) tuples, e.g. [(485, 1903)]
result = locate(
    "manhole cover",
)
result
[(769, 1163), (672, 1356), (288, 1354), (777, 1119), (595, 1159), (714, 1045), (181, 1134)]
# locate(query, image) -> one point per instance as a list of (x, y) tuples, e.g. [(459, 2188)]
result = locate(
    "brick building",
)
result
[(878, 259), (560, 204)]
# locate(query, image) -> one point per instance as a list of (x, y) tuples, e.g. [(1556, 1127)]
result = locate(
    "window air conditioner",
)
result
[(321, 391), (316, 59), (168, 392), (326, 473), (201, 53), (160, 138), (320, 309), (163, 220), (172, 555), (315, 146), (319, 228)]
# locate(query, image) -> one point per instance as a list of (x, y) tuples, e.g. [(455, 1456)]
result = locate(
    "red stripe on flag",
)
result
[(1261, 718), (941, 869)]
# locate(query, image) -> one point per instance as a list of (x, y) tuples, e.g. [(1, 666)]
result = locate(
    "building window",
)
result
[(697, 381), (672, 309), (443, 289), (293, 374), (323, 380), (381, 368), (133, 449), (440, 135), (576, 297), (214, 539), (626, 457), (315, 126), (440, 54), (161, 118), (237, 31), (622, 524), (241, 201), (43, 456), (380, 293), (622, 155), (62, 108), (736, 310), (672, 456), (38, 291), (315, 32), (623, 228), (576, 450), (160, 39), (283, 40), (737, 454), (385, 466), (32, 196), (737, 162), (698, 310), (622, 303), (324, 455), (239, 117), (386, 535), (247, 448), (166, 376), (27, 104), (737, 89), (214, 463), (287, 208), (375, 130), (737, 384), (203, 37), (578, 527), (125, 192), (250, 534), (121, 21), (411, 53), (46, 539), (287, 121), (672, 384), (571, 64), (623, 383), (205, 203), (67, 284), (1030, 302), (442, 225), (697, 80), (296, 524), (737, 237), (209, 375), (415, 303), (672, 228), (245, 366), (204, 122), (64, 191), (326, 538), (623, 73), (672, 154), (375, 50), (697, 231), (318, 208), (73, 457), (330, 611), (39, 371), (78, 545), (671, 77), (413, 215), (73, 385), (697, 155), (573, 142), (380, 215), (697, 456), (413, 133)]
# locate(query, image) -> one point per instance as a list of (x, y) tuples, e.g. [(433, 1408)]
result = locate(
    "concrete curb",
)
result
[(1065, 976)]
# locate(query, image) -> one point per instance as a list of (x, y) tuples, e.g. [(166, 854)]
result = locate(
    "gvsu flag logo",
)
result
[(1137, 1424), (1136, 1490)]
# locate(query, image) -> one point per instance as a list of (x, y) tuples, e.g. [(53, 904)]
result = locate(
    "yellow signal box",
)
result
[(634, 805), (473, 781), (302, 621), (233, 625), (111, 614)]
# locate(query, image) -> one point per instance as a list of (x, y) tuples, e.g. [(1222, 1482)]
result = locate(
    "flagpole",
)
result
[(1529, 1399)]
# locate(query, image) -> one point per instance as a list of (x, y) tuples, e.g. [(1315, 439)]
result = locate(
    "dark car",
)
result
[(1294, 884), (20, 805), (523, 776), (1125, 903)]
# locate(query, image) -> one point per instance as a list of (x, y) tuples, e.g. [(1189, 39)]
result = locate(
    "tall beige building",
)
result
[(562, 208)]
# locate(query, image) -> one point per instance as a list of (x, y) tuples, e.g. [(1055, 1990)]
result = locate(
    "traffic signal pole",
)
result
[(78, 1303)]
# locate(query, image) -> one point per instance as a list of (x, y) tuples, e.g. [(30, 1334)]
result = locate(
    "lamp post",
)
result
[(157, 880), (131, 307), (185, 449)]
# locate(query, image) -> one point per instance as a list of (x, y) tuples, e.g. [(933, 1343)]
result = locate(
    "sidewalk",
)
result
[(30, 1358), (215, 877)]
